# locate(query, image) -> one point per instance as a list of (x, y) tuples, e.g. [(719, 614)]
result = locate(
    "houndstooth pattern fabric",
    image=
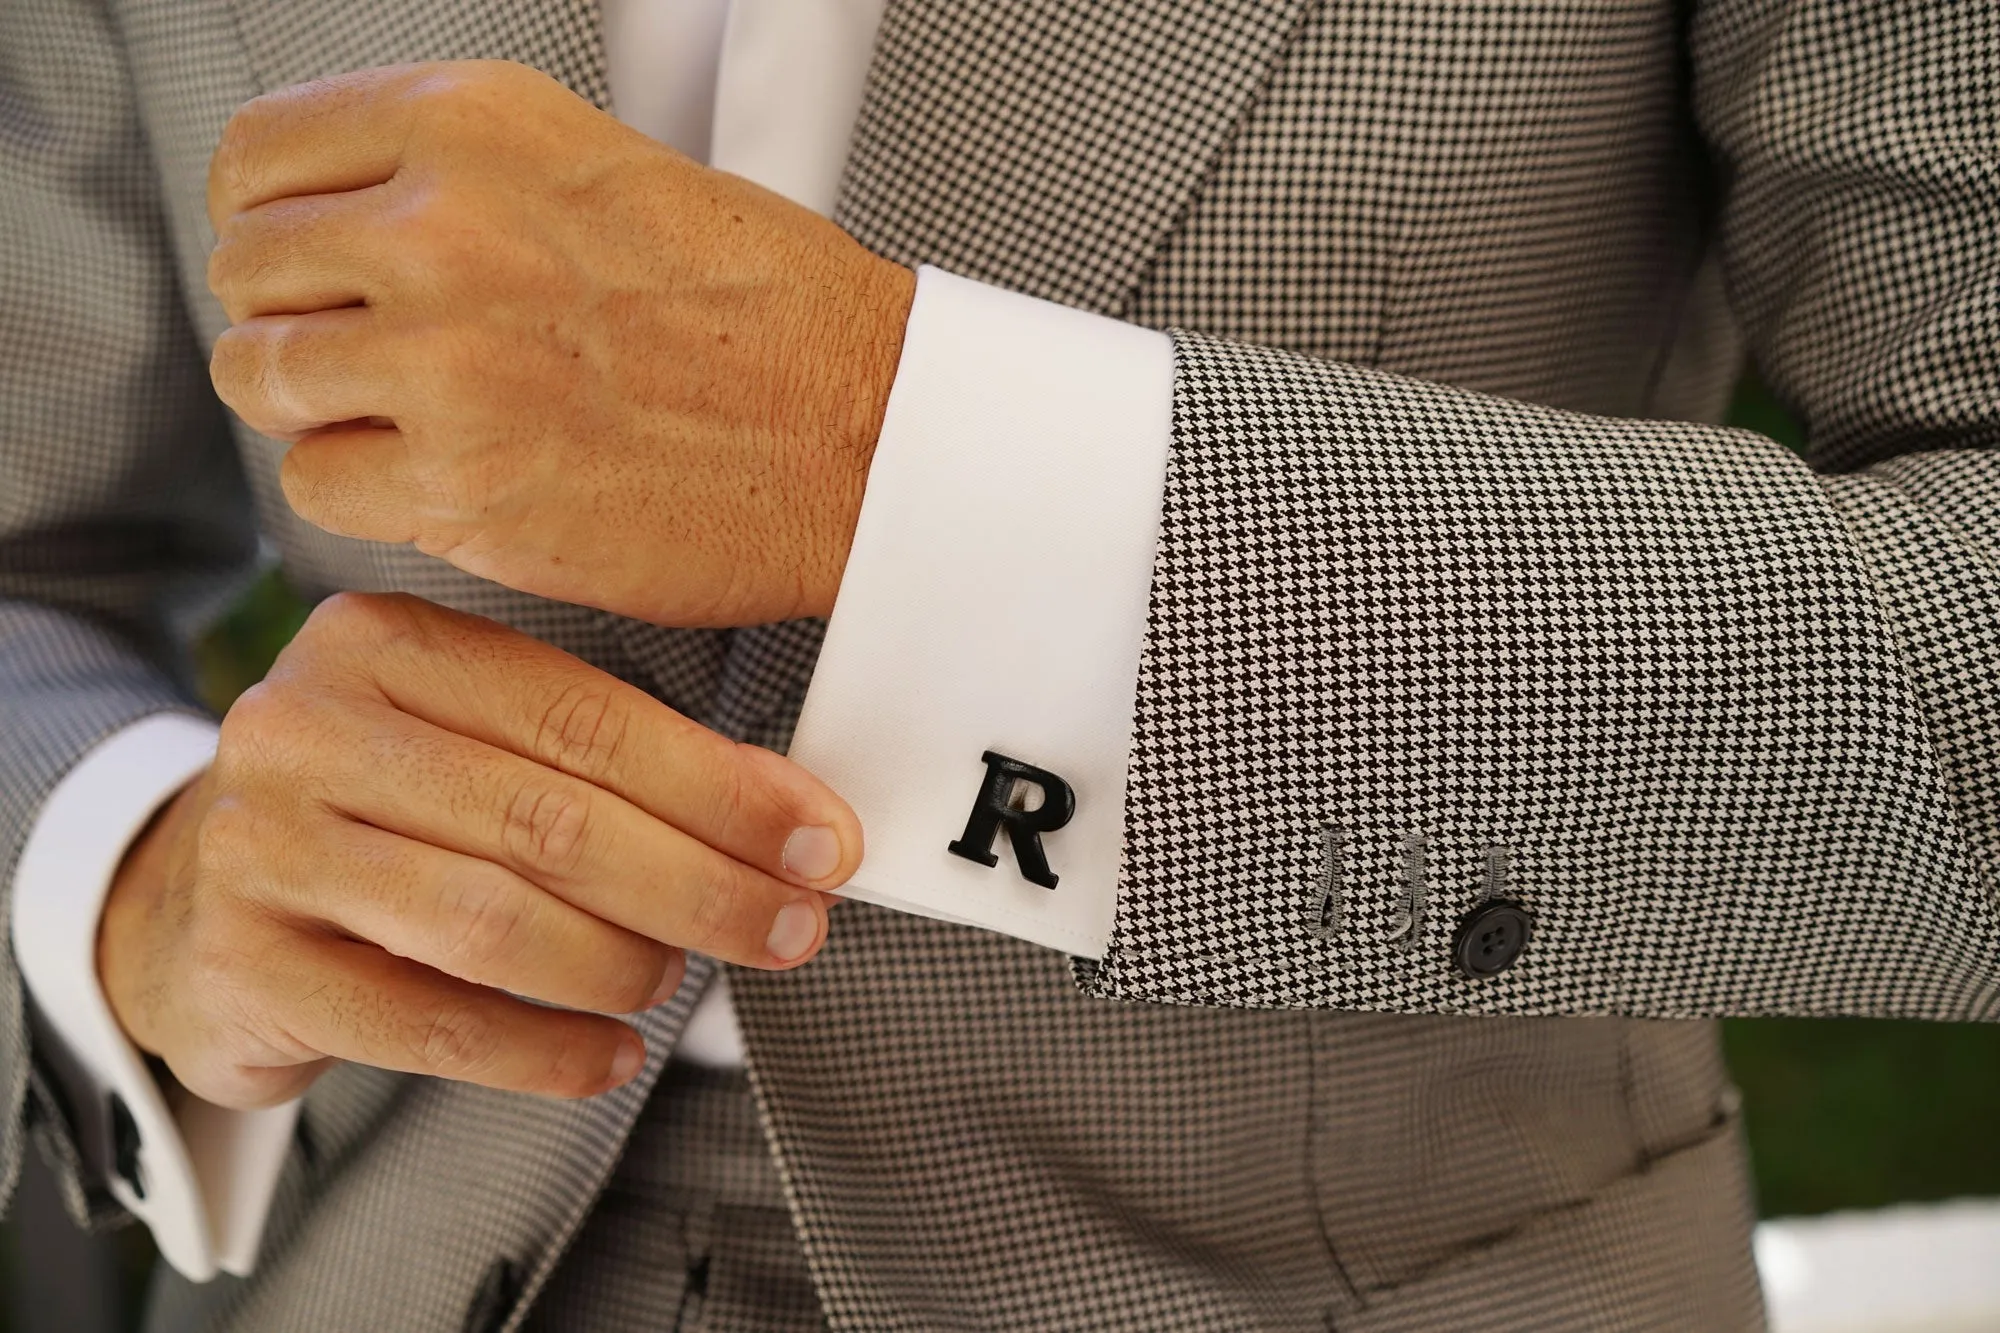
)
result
[(1727, 713), (1662, 666), (692, 1235), (1640, 657)]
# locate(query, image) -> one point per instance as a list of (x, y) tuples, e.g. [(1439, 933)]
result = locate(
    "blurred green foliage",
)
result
[(239, 648), (1858, 1113)]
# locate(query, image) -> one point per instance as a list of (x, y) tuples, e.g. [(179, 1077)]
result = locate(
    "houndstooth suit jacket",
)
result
[(1447, 564)]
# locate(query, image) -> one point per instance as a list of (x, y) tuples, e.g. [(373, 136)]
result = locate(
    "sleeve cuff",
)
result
[(995, 602), (200, 1179)]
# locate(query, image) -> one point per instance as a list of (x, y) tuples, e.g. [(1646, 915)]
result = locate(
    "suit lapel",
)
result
[(1049, 146), (1044, 145)]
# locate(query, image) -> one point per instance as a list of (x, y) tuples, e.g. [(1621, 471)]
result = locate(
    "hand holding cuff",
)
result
[(199, 1176)]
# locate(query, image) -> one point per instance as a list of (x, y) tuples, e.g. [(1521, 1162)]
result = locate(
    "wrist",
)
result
[(865, 370), (888, 291), (129, 925)]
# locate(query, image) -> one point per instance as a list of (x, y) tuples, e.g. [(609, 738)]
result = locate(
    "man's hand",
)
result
[(503, 326), (421, 815)]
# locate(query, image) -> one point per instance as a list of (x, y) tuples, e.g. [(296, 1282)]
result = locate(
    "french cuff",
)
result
[(978, 671), (200, 1177)]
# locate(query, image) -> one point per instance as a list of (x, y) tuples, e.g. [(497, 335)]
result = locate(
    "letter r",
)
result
[(994, 806)]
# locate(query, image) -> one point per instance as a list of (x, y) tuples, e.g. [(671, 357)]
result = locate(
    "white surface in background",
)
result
[(1916, 1268)]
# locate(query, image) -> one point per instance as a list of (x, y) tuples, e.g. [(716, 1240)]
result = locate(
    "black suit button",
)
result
[(1490, 938)]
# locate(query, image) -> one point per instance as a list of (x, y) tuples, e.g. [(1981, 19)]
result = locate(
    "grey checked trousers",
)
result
[(692, 1233)]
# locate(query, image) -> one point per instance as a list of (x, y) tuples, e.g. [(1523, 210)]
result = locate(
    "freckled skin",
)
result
[(498, 324), (611, 376)]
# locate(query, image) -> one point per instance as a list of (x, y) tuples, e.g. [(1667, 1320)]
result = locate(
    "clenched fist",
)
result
[(422, 815), (500, 325)]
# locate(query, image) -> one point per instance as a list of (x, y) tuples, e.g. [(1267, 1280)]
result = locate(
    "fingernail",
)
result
[(812, 853), (794, 931), (631, 1054)]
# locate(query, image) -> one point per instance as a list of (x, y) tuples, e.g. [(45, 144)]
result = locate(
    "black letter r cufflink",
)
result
[(995, 806)]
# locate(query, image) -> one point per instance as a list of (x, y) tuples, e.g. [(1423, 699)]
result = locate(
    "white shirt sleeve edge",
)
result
[(208, 1173)]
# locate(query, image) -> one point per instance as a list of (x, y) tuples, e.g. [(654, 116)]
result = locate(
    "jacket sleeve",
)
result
[(123, 512), (1722, 723)]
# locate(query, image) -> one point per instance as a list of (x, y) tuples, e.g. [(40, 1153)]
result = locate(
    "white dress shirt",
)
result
[(995, 600)]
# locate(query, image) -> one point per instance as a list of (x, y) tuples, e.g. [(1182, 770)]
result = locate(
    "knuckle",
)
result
[(207, 1069), (730, 790), (441, 83), (458, 1041), (227, 960), (362, 618), (583, 729), (215, 970), (715, 915), (242, 726), (503, 73), (487, 925), (232, 367), (251, 365), (231, 173), (475, 83), (264, 732), (262, 709), (755, 803), (570, 1062), (225, 269), (421, 225), (348, 617), (750, 803), (546, 824), (407, 227), (342, 615), (631, 978), (252, 249), (226, 839), (448, 103), (204, 1070)]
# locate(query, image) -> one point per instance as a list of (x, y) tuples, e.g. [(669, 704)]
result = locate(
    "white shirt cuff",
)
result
[(203, 1177), (995, 601)]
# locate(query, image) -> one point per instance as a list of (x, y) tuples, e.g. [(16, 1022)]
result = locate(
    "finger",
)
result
[(298, 255), (481, 679), (587, 846), (355, 479), (476, 921), (243, 1087), (345, 132), (288, 374), (373, 1008)]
